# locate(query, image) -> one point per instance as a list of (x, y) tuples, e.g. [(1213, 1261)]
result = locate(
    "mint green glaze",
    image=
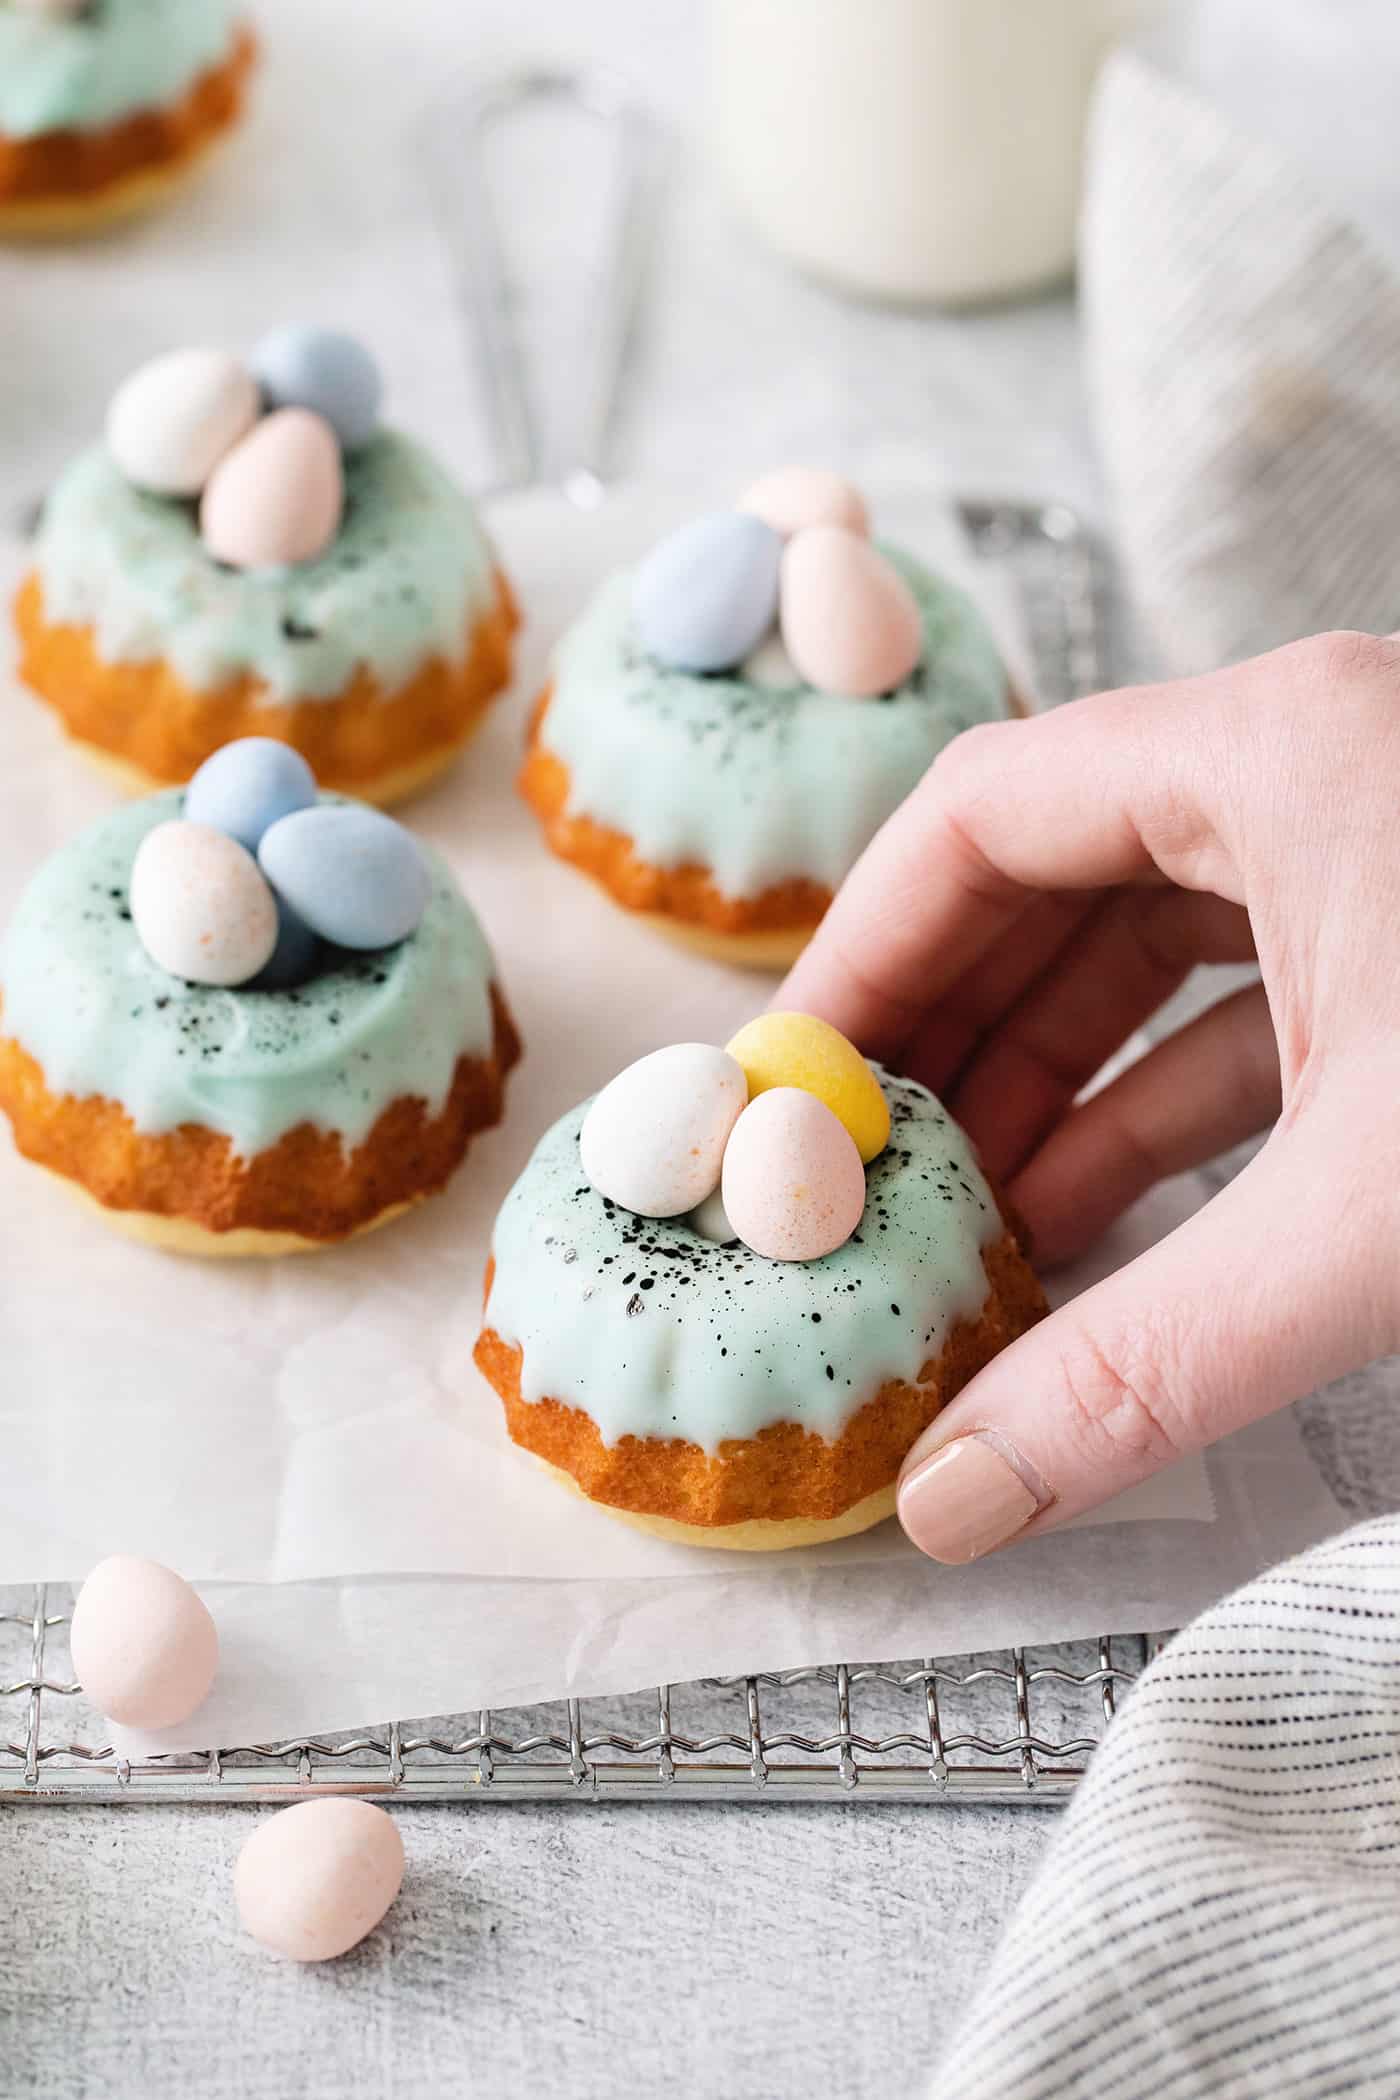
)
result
[(97, 67), (760, 785), (405, 578), (82, 996), (656, 1332)]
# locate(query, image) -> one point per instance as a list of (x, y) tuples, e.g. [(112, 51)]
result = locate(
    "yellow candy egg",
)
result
[(799, 1050)]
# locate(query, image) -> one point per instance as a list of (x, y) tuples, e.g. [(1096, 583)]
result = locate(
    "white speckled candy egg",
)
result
[(792, 497), (314, 1879), (653, 1140), (355, 876), (770, 666), (144, 1647), (172, 421), (708, 593), (793, 1187), (201, 905), (247, 785), (711, 1220), (321, 369), (277, 497), (850, 622)]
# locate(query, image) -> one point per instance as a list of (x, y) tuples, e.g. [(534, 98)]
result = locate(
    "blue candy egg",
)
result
[(318, 368), (355, 876), (709, 593), (293, 959), (248, 785)]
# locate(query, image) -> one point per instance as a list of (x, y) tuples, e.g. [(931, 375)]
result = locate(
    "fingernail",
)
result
[(967, 1499)]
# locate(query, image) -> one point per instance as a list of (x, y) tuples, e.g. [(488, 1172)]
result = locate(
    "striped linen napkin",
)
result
[(1242, 336), (1220, 1911)]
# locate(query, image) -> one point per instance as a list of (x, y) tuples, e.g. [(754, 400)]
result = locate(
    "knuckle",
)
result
[(1121, 1411), (1348, 660)]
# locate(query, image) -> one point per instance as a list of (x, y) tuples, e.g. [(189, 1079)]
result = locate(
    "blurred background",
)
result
[(861, 255)]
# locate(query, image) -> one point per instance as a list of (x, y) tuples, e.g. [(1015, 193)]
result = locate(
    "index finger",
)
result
[(1101, 791)]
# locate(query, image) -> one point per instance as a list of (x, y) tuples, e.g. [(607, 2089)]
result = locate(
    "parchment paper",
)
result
[(320, 1418)]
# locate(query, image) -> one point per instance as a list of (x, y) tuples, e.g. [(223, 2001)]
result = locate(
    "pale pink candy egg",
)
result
[(793, 1184), (201, 905), (314, 1879), (793, 497), (144, 1647), (850, 622), (278, 496)]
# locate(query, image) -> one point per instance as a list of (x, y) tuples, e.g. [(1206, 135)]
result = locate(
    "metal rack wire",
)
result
[(1017, 1725)]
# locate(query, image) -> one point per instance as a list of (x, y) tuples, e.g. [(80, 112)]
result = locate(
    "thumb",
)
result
[(1274, 1288)]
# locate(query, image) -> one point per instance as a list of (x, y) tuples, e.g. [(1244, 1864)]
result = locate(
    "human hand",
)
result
[(1039, 895)]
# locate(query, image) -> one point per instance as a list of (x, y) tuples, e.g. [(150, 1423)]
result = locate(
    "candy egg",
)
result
[(708, 593), (312, 1880), (799, 1050), (320, 369), (144, 1647), (850, 621), (277, 497), (770, 666), (711, 1220), (248, 785), (653, 1140), (793, 1185), (200, 904), (294, 956), (792, 497), (355, 876), (172, 421)]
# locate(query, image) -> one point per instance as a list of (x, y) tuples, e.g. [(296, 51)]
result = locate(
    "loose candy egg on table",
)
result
[(144, 1647), (313, 1880), (850, 622), (653, 1141), (786, 1049), (201, 905), (794, 1186), (355, 876), (174, 419), (248, 785), (278, 496), (793, 497), (708, 593), (321, 369)]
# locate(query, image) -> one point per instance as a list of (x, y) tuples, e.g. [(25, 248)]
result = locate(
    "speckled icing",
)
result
[(82, 996), (758, 784), (97, 67), (403, 580), (656, 1332)]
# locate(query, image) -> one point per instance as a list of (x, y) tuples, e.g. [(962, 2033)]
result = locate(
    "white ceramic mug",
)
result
[(910, 149)]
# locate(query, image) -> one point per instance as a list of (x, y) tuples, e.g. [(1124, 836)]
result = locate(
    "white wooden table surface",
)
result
[(567, 1950)]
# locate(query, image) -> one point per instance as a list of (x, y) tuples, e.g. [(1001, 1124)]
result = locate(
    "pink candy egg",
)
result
[(313, 1880), (793, 1186), (143, 1645), (793, 497), (850, 622), (277, 497), (201, 904)]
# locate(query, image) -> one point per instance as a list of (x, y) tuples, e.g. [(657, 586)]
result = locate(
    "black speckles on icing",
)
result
[(656, 1331)]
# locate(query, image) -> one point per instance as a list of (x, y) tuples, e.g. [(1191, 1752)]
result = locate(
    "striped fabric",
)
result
[(1242, 345), (1220, 1911)]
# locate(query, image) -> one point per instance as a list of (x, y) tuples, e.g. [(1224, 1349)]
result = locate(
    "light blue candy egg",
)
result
[(709, 593), (293, 959), (354, 875), (248, 785), (318, 368)]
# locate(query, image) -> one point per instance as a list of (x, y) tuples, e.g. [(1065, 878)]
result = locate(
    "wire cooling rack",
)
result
[(1019, 1724)]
